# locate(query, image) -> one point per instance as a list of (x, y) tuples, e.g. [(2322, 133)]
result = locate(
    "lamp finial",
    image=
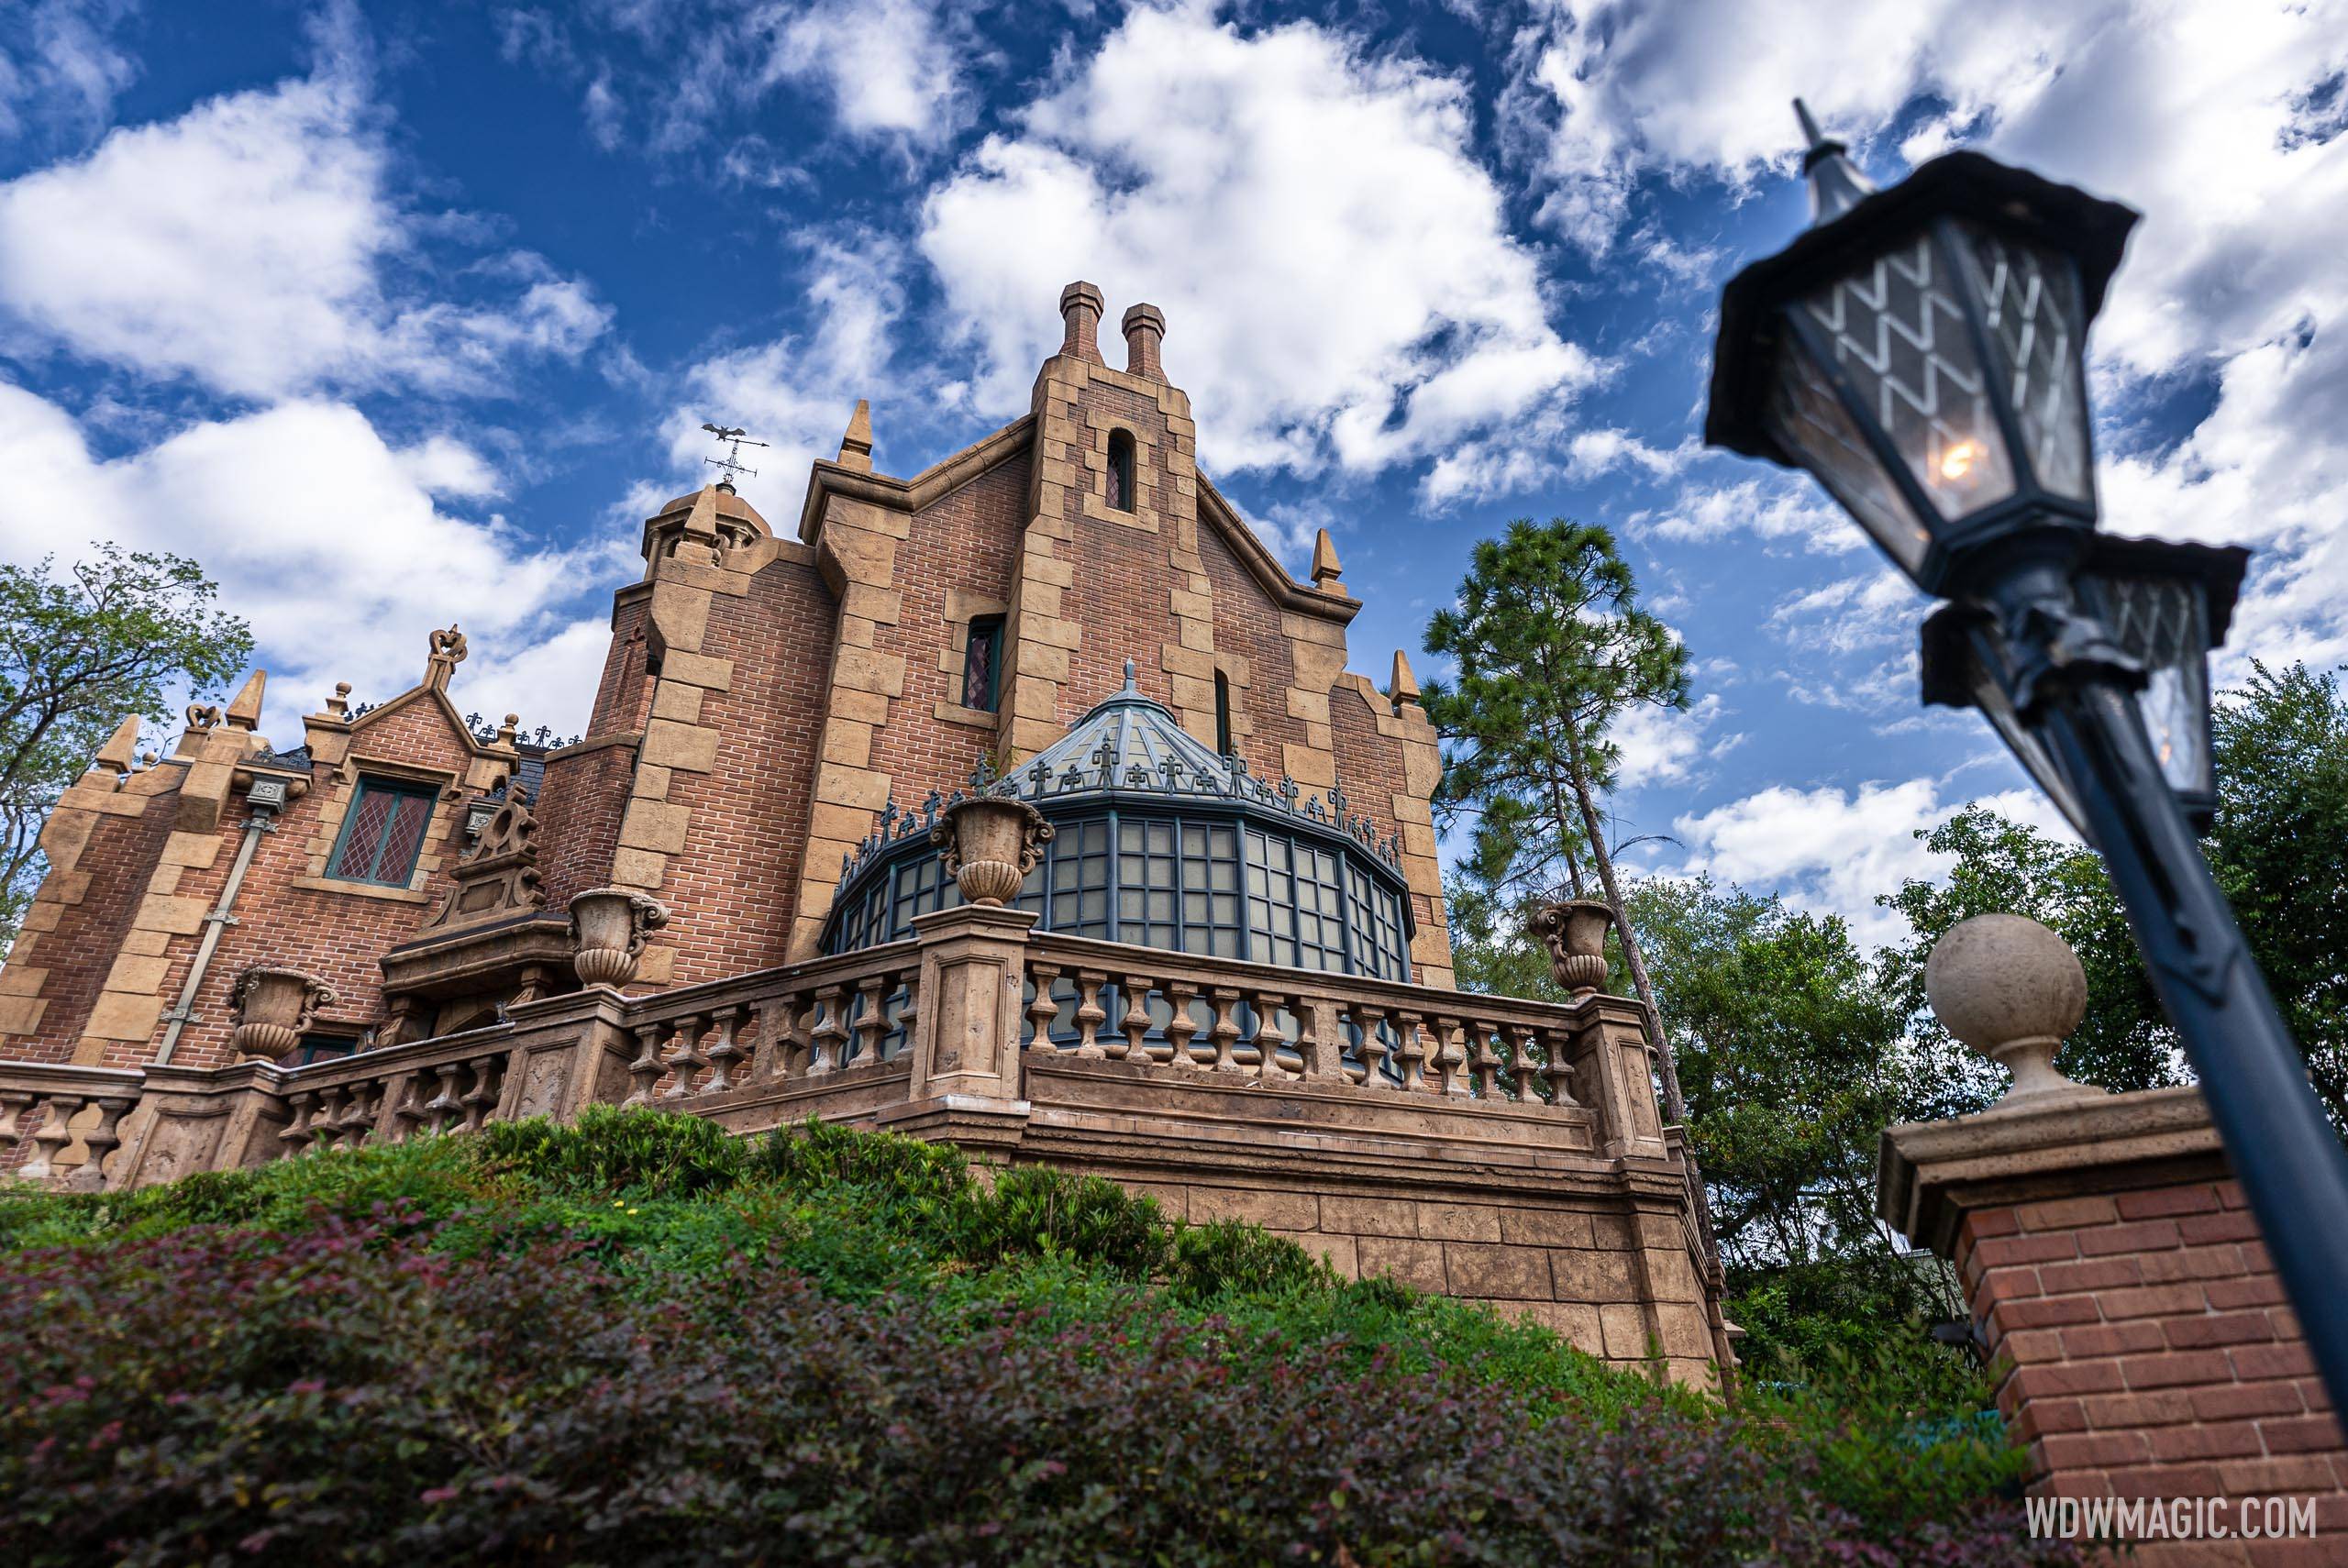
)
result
[(1835, 183)]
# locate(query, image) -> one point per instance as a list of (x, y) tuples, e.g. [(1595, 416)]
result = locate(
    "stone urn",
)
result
[(990, 843), (274, 1006), (1574, 931), (607, 931), (2013, 991)]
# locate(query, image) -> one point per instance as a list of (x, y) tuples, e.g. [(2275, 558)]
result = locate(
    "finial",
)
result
[(856, 446), (1130, 686), (339, 703), (731, 464), (2012, 990), (1326, 572), (448, 653), (1835, 183)]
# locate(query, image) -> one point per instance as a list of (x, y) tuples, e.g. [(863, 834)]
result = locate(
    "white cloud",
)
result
[(1850, 614), (1783, 507), (1335, 266), (59, 69), (327, 538), (890, 66), (1834, 851), (1659, 746), (256, 246)]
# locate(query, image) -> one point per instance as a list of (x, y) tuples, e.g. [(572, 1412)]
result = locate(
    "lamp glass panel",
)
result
[(1896, 330), (1807, 417), (2164, 623), (2031, 304)]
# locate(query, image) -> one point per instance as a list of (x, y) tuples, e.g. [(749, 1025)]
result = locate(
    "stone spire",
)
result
[(856, 446), (1401, 686), (1326, 572), (244, 711)]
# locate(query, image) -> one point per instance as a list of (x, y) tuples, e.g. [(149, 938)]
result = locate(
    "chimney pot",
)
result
[(1080, 307), (1145, 330)]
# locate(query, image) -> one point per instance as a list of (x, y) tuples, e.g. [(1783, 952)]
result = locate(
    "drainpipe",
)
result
[(263, 799)]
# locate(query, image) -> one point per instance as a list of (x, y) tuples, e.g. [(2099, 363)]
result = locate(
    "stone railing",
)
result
[(964, 1031)]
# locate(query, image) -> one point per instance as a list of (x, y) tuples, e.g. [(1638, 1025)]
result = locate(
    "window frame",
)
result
[(1123, 478), (337, 871), (1223, 741), (989, 627)]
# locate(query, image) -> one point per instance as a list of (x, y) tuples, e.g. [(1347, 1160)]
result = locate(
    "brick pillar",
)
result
[(2145, 1343)]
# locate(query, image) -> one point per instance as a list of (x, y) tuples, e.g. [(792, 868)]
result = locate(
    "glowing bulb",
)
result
[(1958, 461)]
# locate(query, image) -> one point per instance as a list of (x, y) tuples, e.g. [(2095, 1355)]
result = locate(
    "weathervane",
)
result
[(732, 462)]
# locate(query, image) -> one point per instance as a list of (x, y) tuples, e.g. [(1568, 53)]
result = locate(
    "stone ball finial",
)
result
[(2012, 990)]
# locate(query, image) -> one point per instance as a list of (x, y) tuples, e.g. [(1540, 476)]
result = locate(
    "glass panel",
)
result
[(1808, 420), (363, 840), (2165, 624), (2030, 301), (1896, 329)]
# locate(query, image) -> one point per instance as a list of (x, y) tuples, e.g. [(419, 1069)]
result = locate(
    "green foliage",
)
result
[(638, 1153), (1550, 648), (116, 635), (604, 1343)]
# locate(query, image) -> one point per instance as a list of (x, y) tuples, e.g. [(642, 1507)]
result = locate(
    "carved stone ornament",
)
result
[(990, 843), (274, 1005), (2013, 991), (499, 876), (1574, 931), (607, 932)]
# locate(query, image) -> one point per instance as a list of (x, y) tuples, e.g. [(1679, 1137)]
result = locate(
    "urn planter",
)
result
[(274, 1006), (607, 931), (990, 843), (1574, 931)]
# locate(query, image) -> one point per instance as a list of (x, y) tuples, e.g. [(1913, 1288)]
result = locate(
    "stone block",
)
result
[(681, 703), (649, 824), (1588, 1274), (1546, 1227), (21, 980), (119, 1015), (1575, 1323), (687, 748), (1672, 1276), (679, 616), (639, 868), (857, 787), (1624, 1329), (196, 849), (1499, 1273), (863, 706), (181, 916), (655, 967), (21, 1015), (136, 975), (1273, 1209), (1338, 1251), (698, 670), (1370, 1216), (866, 669), (1418, 1264), (838, 825), (1459, 1222)]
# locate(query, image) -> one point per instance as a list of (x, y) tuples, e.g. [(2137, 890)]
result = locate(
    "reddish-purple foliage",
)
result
[(347, 1394)]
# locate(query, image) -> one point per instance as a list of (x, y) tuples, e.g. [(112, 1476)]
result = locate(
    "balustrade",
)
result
[(39, 1107)]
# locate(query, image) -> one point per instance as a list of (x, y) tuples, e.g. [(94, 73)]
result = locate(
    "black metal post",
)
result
[(2290, 1162)]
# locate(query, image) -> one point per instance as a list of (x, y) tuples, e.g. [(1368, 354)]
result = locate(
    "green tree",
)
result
[(2279, 847), (1549, 648), (120, 632)]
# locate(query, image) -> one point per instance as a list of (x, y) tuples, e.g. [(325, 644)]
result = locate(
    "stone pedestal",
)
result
[(973, 974), (2116, 1277)]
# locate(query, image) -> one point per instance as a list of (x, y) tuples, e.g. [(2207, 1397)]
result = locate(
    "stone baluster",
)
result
[(1042, 1011), (1267, 1038), (1485, 1065), (1135, 1023), (355, 1125), (1090, 1014), (1411, 1052), (788, 1042), (442, 1107), (325, 1122), (14, 1104), (482, 1099), (645, 1071), (872, 1019), (1556, 1066), (686, 1062), (101, 1140), (408, 1114), (725, 1052), (1520, 1064), (1180, 1024), (830, 1048), (1451, 1061), (298, 1132), (50, 1139), (1374, 1049), (1226, 1032)]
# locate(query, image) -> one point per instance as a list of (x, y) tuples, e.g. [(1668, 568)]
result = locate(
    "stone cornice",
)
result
[(1931, 1173)]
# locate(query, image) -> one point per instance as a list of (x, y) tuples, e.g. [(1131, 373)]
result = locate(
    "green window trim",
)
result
[(982, 663), (382, 833)]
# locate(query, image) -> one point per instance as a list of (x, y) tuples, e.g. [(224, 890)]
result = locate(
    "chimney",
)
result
[(1080, 307), (1145, 330)]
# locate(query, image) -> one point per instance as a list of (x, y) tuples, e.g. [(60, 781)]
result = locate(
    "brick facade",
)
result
[(2120, 1286), (763, 698)]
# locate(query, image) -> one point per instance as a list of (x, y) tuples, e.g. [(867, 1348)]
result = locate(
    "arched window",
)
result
[(1121, 469), (1223, 713), (981, 663)]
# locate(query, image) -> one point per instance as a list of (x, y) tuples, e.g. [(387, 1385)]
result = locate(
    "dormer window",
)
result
[(382, 833), (981, 663), (1121, 469)]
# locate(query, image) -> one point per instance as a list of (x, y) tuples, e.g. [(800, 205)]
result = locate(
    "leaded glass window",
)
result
[(382, 832), (1121, 469), (981, 663)]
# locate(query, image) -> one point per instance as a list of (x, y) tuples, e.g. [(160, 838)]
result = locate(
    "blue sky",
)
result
[(397, 312)]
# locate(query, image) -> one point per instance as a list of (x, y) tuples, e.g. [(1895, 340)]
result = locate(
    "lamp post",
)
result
[(1919, 351)]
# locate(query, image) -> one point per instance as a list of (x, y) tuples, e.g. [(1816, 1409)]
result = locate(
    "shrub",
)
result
[(819, 1154), (611, 1150), (1223, 1258), (1038, 1211), (364, 1396)]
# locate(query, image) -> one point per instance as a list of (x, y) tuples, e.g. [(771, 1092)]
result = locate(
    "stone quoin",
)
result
[(1218, 972)]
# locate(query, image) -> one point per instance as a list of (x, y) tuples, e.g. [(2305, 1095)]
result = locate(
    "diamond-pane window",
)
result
[(1895, 328), (2032, 300), (381, 833), (2164, 623), (1808, 420)]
